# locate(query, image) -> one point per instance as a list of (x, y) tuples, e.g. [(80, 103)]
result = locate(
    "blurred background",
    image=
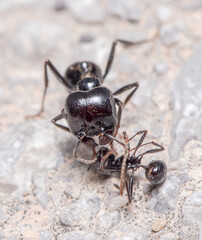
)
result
[(40, 183)]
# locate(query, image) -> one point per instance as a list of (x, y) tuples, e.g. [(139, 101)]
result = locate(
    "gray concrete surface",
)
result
[(44, 193)]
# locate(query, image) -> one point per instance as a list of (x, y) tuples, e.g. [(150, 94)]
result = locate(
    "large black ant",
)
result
[(107, 162), (90, 109)]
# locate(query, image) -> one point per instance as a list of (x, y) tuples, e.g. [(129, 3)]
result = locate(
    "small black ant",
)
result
[(107, 163), (90, 109)]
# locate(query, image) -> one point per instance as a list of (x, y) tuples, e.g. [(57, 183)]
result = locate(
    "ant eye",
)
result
[(81, 134), (156, 172)]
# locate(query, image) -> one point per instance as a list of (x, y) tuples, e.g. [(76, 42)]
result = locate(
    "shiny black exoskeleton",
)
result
[(107, 163), (90, 109), (78, 70)]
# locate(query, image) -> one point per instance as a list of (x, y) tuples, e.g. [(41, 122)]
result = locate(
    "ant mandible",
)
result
[(90, 109)]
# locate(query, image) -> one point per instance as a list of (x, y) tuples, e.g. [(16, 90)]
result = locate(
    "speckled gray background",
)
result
[(44, 193)]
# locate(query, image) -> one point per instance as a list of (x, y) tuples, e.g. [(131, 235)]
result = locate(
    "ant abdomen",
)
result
[(156, 172), (80, 70)]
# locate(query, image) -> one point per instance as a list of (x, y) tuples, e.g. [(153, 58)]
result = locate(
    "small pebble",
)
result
[(87, 37), (92, 11), (161, 68), (60, 5), (158, 224), (128, 10), (169, 35), (164, 13)]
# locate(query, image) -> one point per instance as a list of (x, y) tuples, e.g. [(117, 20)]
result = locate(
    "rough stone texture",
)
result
[(39, 182), (116, 202), (169, 35), (125, 232), (130, 10), (164, 13), (79, 235), (165, 196), (167, 236), (161, 68), (34, 39), (23, 152), (187, 98), (90, 11), (45, 235), (44, 193), (192, 209), (108, 220), (82, 211)]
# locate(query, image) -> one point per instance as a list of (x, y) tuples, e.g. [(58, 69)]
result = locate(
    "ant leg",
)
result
[(113, 138), (57, 118), (61, 116), (159, 149), (127, 87), (123, 166), (113, 48), (130, 187), (144, 133), (125, 157), (128, 191), (104, 159), (127, 152), (86, 161), (58, 76), (120, 105)]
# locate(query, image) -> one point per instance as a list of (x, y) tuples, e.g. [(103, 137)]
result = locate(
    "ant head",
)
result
[(88, 83)]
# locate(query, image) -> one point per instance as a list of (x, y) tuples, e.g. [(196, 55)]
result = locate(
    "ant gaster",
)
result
[(90, 109)]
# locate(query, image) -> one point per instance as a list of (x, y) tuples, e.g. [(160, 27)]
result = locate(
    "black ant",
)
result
[(107, 163), (90, 109)]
